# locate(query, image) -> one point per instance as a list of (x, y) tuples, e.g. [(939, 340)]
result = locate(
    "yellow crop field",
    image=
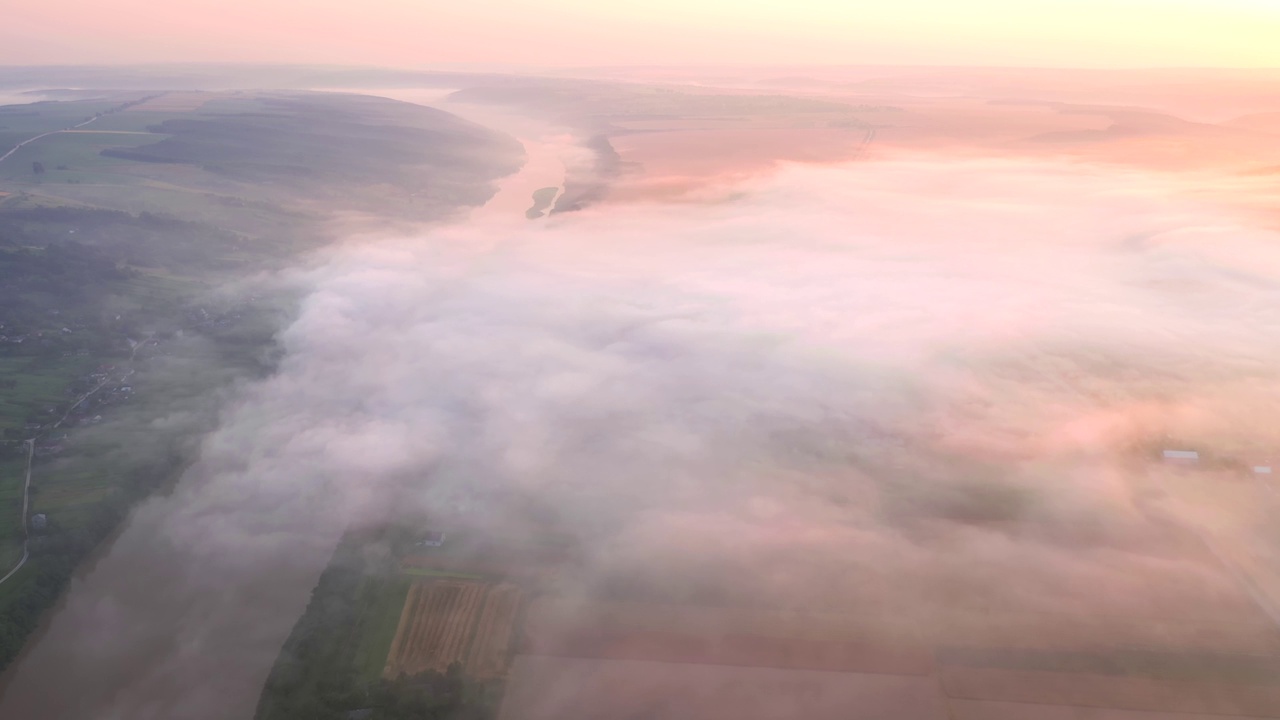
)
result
[(449, 620)]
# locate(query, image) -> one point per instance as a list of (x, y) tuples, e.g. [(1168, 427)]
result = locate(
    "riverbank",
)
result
[(152, 622)]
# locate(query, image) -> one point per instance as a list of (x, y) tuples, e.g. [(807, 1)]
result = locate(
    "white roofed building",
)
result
[(1182, 456)]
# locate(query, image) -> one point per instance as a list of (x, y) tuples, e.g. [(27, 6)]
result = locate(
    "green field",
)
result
[(332, 661), (20, 122), (384, 601), (71, 156), (12, 475), (39, 386), (254, 163)]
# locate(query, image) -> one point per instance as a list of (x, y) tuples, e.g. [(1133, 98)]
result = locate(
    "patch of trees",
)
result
[(67, 269), (142, 240), (349, 152), (316, 676), (587, 186), (426, 696), (42, 289), (60, 548)]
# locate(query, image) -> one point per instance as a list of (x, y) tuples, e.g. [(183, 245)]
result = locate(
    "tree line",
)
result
[(316, 675)]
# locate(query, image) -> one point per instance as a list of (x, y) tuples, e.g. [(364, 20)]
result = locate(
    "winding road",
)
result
[(26, 531), (31, 451), (30, 140), (31, 444)]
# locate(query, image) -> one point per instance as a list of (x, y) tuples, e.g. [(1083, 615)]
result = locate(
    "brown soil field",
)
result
[(448, 620), (491, 647), (737, 650), (988, 710), (553, 688), (1242, 630), (1245, 634), (729, 636), (1121, 693), (435, 626), (712, 620)]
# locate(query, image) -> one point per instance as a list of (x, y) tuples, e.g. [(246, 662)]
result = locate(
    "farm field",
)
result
[(1063, 665), (435, 626), (452, 620), (491, 646), (21, 122), (12, 476), (551, 688), (1175, 645), (990, 710), (1244, 630), (724, 636), (1122, 693), (737, 650), (592, 661), (373, 635), (379, 622), (73, 157)]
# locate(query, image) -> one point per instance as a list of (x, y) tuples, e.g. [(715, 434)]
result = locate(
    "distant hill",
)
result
[(1258, 122)]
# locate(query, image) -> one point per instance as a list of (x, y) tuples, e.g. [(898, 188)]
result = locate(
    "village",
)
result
[(1191, 459), (92, 397)]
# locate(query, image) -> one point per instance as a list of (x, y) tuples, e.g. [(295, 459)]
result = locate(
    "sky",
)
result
[(553, 33)]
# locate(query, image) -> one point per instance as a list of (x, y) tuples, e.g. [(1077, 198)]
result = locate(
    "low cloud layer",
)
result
[(881, 383)]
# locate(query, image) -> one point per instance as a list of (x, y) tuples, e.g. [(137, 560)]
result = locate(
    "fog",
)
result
[(927, 385)]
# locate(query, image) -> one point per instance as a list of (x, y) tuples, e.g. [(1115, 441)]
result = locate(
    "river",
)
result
[(546, 146), (21, 97)]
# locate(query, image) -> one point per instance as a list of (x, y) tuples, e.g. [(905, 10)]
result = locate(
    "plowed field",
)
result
[(451, 620)]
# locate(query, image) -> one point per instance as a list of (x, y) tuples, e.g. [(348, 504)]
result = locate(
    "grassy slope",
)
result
[(332, 661), (240, 157), (20, 122), (379, 621), (354, 153)]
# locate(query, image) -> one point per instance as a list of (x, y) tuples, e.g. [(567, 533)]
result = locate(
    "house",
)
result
[(1261, 469), (432, 539), (1182, 457), (39, 521)]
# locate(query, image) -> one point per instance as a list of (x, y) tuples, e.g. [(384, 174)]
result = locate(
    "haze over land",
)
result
[(768, 362), (918, 372)]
